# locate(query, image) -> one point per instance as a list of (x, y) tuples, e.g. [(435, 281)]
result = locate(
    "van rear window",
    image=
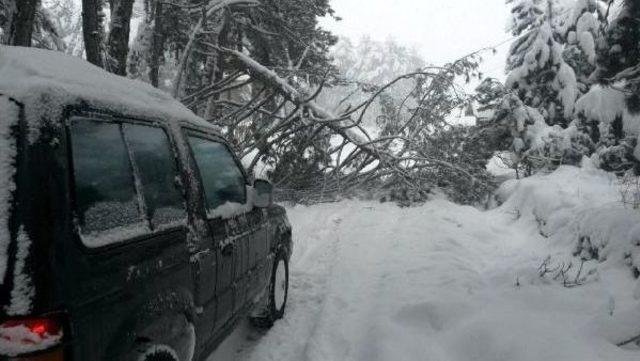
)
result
[(126, 180), (158, 174), (105, 190)]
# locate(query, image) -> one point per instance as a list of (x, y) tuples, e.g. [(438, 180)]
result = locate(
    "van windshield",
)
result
[(9, 112)]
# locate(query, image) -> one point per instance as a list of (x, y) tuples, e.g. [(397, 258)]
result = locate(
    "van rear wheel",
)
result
[(277, 295), (160, 353)]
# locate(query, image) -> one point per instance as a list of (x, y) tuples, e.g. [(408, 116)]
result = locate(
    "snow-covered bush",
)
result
[(535, 144), (604, 115), (579, 209)]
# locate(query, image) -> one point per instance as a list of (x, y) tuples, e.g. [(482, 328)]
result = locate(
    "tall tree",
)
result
[(7, 11), (619, 55), (582, 33), (17, 19), (118, 41), (157, 43), (537, 70), (609, 110), (93, 31)]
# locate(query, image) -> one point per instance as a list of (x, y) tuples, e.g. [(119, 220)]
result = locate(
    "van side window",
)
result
[(222, 180), (158, 173), (105, 190)]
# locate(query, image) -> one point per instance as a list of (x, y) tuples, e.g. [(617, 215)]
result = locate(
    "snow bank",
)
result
[(372, 281), (46, 81), (581, 207), (545, 195)]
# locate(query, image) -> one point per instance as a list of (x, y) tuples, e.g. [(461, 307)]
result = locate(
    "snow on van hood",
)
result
[(45, 81), (8, 115)]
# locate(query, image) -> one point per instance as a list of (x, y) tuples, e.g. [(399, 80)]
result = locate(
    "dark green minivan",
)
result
[(128, 228)]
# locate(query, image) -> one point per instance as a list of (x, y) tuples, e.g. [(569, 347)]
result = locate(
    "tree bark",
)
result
[(216, 62), (157, 47), (92, 31), (22, 25), (118, 43)]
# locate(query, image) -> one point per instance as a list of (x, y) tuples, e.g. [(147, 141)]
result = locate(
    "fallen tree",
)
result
[(248, 66)]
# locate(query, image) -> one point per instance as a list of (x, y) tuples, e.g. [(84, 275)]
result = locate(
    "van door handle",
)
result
[(227, 250)]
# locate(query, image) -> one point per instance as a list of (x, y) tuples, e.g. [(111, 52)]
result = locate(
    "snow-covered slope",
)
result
[(445, 282), (586, 210)]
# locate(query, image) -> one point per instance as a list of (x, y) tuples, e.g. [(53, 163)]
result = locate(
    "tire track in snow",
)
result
[(311, 267), (350, 313)]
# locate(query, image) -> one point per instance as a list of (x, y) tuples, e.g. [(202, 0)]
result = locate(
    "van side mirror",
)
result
[(263, 193)]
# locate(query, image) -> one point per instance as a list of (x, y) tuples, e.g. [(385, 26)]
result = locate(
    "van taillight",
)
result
[(27, 335)]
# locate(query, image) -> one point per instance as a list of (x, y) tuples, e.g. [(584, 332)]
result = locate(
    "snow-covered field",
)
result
[(372, 281)]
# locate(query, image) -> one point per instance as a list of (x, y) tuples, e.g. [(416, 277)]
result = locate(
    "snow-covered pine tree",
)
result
[(582, 30), (619, 55), (610, 109), (536, 67), (535, 108)]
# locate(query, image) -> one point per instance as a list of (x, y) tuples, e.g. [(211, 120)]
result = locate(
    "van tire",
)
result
[(277, 295), (160, 353), (172, 347), (161, 357)]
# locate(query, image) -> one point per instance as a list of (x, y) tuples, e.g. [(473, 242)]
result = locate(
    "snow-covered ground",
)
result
[(372, 281)]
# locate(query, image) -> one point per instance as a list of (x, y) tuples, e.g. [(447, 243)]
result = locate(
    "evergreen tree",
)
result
[(607, 111), (619, 54), (582, 32), (537, 69)]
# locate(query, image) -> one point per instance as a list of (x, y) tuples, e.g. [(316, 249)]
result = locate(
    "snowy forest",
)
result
[(327, 118), (323, 116)]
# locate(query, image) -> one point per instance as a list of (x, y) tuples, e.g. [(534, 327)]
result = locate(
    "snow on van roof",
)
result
[(45, 81)]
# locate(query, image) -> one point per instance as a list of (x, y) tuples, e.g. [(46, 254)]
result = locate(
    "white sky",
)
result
[(442, 30)]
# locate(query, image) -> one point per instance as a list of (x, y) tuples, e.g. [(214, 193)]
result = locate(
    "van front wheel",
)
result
[(277, 294)]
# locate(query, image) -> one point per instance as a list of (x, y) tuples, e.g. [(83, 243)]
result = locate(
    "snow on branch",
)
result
[(361, 156)]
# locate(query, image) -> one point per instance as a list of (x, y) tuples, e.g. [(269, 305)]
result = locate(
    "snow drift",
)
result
[(445, 282)]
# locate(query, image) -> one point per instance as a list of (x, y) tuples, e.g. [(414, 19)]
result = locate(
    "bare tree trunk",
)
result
[(118, 43), (157, 47), (7, 12), (21, 29), (216, 61), (93, 31)]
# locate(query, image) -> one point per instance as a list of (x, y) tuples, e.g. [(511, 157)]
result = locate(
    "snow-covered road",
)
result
[(372, 281)]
